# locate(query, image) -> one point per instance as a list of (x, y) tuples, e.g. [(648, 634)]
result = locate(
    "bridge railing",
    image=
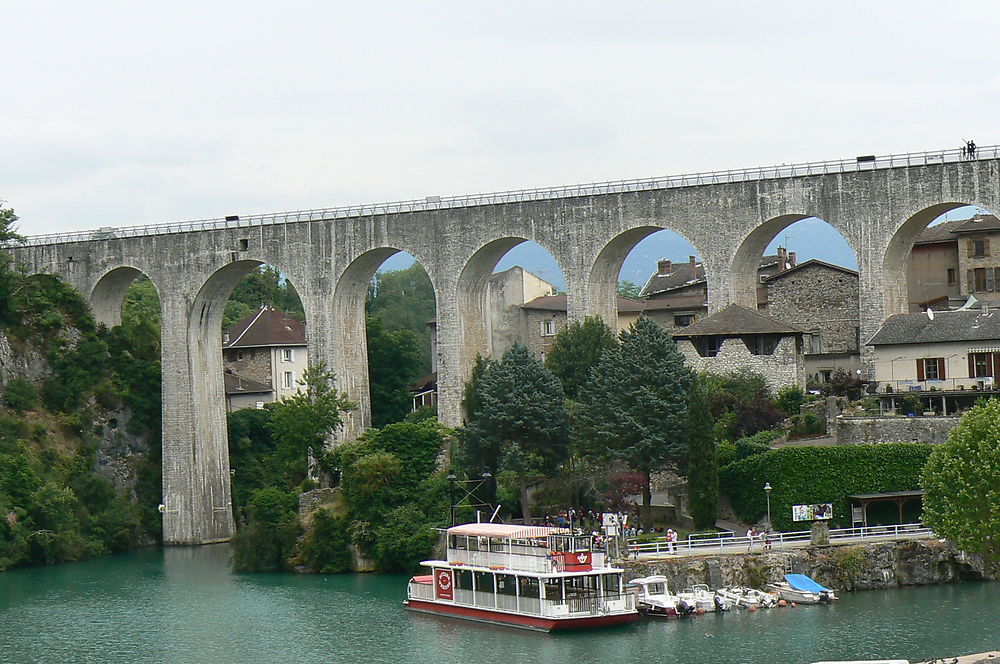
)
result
[(862, 163), (779, 541)]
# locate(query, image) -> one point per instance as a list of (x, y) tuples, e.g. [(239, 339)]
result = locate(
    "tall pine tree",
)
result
[(577, 349), (634, 407), (522, 415), (703, 469)]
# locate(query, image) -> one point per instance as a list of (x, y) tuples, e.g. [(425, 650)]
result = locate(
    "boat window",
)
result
[(581, 586), (498, 545), (610, 583), (654, 588), (484, 582), (463, 579), (507, 585), (553, 589), (529, 586), (459, 542)]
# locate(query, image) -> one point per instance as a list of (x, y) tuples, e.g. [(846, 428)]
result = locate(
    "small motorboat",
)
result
[(703, 599), (741, 597), (654, 599), (801, 589)]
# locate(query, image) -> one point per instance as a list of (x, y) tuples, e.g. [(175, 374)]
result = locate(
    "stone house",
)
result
[(267, 348), (543, 317), (945, 351), (953, 260), (822, 299), (737, 339), (676, 295)]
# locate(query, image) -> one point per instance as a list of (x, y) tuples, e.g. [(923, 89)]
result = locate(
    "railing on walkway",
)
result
[(779, 541), (864, 163)]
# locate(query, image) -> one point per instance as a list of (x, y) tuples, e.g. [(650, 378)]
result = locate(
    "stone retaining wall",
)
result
[(843, 567), (853, 430)]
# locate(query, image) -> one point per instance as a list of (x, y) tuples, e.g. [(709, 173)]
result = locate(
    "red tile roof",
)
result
[(267, 327)]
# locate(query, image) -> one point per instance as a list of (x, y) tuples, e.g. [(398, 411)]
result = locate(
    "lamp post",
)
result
[(451, 495), (767, 492)]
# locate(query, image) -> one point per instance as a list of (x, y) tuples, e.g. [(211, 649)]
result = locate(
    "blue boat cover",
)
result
[(804, 583)]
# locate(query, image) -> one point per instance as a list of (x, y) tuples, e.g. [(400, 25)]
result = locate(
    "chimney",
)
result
[(694, 269), (791, 259), (782, 259), (663, 267)]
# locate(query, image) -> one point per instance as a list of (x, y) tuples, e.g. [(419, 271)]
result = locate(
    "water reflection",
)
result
[(184, 605)]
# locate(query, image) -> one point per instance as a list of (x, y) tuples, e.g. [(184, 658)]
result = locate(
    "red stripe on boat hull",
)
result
[(517, 620)]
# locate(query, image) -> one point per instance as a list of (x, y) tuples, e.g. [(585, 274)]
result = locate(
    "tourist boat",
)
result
[(801, 589), (533, 577), (654, 598)]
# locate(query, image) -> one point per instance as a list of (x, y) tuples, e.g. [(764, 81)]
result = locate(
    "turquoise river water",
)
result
[(184, 605)]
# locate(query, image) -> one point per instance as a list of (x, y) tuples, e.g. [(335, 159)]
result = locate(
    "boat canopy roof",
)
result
[(508, 530), (804, 583)]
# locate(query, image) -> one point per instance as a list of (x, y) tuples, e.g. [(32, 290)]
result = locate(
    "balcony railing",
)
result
[(864, 163)]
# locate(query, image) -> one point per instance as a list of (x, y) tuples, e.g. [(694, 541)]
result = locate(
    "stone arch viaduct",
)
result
[(878, 204)]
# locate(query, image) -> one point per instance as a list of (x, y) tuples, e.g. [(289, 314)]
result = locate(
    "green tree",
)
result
[(962, 483), (577, 350), (629, 289), (523, 416), (634, 408), (789, 400), (394, 363), (404, 300), (302, 422), (703, 469), (141, 306)]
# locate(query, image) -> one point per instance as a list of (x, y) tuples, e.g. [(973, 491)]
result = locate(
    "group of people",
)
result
[(754, 534), (574, 518), (969, 149)]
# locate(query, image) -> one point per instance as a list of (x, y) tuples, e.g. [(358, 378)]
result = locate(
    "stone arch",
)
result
[(350, 336), (603, 276), (108, 294), (473, 281), (895, 260), (746, 258)]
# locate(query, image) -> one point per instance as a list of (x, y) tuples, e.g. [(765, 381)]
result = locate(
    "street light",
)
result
[(451, 495), (767, 492)]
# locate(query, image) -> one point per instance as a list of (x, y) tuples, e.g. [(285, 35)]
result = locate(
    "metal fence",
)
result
[(729, 543), (862, 163)]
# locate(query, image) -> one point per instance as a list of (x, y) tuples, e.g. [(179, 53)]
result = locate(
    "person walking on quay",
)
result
[(751, 533), (671, 538)]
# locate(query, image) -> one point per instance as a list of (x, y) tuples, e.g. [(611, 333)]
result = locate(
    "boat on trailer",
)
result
[(532, 577)]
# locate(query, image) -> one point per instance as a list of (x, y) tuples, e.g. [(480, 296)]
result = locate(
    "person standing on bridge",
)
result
[(751, 534), (971, 147), (671, 538)]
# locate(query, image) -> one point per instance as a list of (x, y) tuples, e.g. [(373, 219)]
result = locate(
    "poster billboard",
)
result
[(815, 512)]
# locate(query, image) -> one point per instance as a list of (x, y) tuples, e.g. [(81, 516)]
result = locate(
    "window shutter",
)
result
[(941, 373), (972, 281), (920, 369), (996, 365), (989, 280), (986, 247), (972, 367), (972, 247)]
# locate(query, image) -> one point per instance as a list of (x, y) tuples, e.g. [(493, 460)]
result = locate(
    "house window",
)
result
[(240, 355), (979, 248), (707, 346), (683, 320), (288, 379), (548, 328), (951, 276), (761, 344), (287, 354), (980, 365), (931, 368), (981, 280), (815, 342)]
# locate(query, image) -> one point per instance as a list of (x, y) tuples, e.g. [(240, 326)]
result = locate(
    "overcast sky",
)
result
[(128, 113)]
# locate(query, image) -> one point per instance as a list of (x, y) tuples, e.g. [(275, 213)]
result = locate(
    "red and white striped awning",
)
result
[(508, 530)]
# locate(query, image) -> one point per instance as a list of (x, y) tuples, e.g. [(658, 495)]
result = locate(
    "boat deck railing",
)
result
[(779, 540), (861, 163)]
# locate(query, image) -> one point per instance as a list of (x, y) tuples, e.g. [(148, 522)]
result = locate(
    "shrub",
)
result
[(324, 547), (21, 395), (808, 475), (790, 399)]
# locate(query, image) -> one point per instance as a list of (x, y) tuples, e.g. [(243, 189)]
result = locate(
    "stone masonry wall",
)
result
[(854, 430), (815, 297), (533, 338), (784, 367)]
